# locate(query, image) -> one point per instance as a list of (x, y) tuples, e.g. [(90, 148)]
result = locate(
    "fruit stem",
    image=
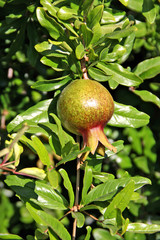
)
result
[(83, 67), (77, 191)]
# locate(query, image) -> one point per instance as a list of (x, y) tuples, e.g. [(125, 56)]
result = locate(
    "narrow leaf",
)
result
[(55, 225), (107, 190), (41, 150), (68, 185), (80, 218), (80, 51), (120, 201), (128, 116), (149, 11), (148, 68), (40, 193), (87, 181), (88, 236), (98, 75), (147, 96), (9, 236), (35, 172), (55, 30), (143, 228), (95, 16), (120, 74)]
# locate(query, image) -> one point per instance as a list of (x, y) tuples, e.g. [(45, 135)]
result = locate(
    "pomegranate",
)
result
[(84, 107)]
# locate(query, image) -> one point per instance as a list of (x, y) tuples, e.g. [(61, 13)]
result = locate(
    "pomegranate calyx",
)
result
[(92, 137)]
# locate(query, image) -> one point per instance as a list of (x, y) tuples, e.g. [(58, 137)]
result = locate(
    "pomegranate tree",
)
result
[(85, 107)]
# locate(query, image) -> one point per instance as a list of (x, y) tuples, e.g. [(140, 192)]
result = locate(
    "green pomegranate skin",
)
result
[(84, 104)]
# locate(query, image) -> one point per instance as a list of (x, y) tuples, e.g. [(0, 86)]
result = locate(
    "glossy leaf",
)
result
[(41, 150), (119, 146), (53, 177), (35, 172), (121, 33), (148, 68), (88, 236), (103, 176), (50, 85), (68, 185), (80, 218), (128, 44), (66, 13), (87, 34), (55, 30), (73, 154), (143, 228), (63, 138), (149, 11), (51, 9), (120, 74), (55, 225), (124, 2), (107, 190), (120, 201), (101, 234), (148, 96), (95, 16), (128, 116), (35, 114), (10, 236), (35, 191), (118, 51), (87, 181), (80, 51), (135, 5), (98, 75)]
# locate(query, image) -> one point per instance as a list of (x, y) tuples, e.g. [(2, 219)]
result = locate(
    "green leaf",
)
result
[(34, 115), (50, 85), (10, 236), (35, 172), (128, 116), (112, 16), (38, 192), (95, 16), (120, 74), (119, 146), (73, 154), (103, 176), (98, 75), (142, 163), (80, 52), (68, 185), (101, 234), (33, 210), (118, 51), (147, 96), (120, 201), (87, 34), (128, 44), (148, 68), (63, 138), (87, 181), (55, 30), (143, 228), (121, 33), (49, 6), (124, 2), (135, 5), (58, 64), (55, 225), (107, 190), (88, 236), (41, 150), (149, 11), (80, 218), (66, 13), (53, 177)]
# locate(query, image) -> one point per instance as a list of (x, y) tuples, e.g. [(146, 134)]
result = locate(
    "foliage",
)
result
[(44, 46)]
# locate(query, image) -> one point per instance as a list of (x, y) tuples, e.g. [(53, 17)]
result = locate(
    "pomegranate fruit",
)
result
[(84, 107)]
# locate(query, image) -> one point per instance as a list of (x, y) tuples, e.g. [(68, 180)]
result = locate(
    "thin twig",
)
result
[(65, 215)]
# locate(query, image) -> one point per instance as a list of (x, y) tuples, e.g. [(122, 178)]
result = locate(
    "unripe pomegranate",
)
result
[(84, 107)]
